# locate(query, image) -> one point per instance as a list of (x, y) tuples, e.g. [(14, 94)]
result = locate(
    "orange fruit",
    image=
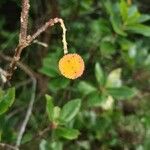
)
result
[(71, 66)]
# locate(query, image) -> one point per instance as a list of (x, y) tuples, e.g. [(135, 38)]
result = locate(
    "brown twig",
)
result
[(30, 39), (29, 72), (24, 21), (40, 43), (22, 38), (48, 24), (22, 66), (25, 40), (19, 48), (28, 114)]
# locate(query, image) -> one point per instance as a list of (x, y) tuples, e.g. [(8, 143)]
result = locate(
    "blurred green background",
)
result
[(113, 37)]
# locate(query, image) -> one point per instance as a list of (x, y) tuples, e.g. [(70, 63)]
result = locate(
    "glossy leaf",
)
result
[(99, 74), (144, 18), (95, 99), (86, 88), (43, 145), (140, 29), (107, 48), (49, 71), (49, 107), (133, 15), (124, 10), (114, 78), (117, 26), (115, 19), (56, 145), (107, 103), (122, 92), (57, 111), (7, 100), (70, 110), (67, 133), (58, 83)]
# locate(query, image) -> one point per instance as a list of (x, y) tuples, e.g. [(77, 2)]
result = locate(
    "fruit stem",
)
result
[(63, 35)]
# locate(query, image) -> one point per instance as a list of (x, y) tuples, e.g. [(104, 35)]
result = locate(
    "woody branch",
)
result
[(25, 40)]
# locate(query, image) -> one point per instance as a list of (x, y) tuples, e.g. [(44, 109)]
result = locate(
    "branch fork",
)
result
[(25, 40)]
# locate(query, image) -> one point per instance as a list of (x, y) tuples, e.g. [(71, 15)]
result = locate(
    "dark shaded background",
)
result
[(127, 125)]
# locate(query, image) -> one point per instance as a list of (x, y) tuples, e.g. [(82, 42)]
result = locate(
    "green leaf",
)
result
[(0, 135), (67, 133), (108, 6), (140, 29), (122, 92), (1, 94), (107, 48), (49, 71), (43, 145), (107, 103), (99, 74), (7, 100), (53, 112), (124, 10), (58, 83), (133, 19), (117, 25), (85, 87), (56, 145), (49, 107), (125, 44), (114, 78), (49, 67), (57, 111), (144, 18), (50, 64), (95, 99), (132, 10), (2, 124), (115, 19), (133, 15), (70, 110)]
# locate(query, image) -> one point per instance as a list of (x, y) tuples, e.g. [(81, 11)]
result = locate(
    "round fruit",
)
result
[(71, 66)]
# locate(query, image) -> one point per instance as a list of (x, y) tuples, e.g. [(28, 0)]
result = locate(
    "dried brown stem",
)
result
[(30, 73), (25, 40), (30, 39), (51, 22), (28, 113), (20, 47), (16, 58), (22, 38), (24, 21), (63, 35)]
